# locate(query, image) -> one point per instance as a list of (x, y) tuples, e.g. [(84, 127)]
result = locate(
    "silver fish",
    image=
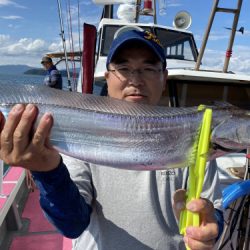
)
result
[(114, 133)]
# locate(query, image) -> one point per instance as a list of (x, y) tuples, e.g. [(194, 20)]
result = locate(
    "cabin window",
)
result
[(97, 48), (108, 37), (177, 45)]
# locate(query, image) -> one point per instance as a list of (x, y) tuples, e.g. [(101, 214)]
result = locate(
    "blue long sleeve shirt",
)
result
[(61, 201)]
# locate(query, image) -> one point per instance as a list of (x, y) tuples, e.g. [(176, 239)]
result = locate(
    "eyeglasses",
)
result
[(125, 73)]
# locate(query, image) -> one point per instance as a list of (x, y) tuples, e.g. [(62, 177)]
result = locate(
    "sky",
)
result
[(31, 28)]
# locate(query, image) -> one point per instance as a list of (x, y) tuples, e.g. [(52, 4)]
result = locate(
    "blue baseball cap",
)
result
[(145, 37)]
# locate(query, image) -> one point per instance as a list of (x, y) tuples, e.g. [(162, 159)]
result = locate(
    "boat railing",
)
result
[(12, 184), (236, 200)]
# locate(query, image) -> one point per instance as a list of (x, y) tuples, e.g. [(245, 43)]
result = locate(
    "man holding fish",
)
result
[(108, 208)]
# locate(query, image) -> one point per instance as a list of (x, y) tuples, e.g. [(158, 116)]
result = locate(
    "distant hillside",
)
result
[(13, 69), (35, 71)]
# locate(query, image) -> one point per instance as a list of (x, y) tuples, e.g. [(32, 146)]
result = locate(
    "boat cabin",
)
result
[(186, 86), (178, 44)]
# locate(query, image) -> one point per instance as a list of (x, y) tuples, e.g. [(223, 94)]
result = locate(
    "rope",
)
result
[(71, 42), (79, 28), (63, 42)]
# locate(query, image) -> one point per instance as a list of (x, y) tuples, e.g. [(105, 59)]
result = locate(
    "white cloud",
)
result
[(9, 2), (246, 32), (5, 2), (86, 3), (26, 46), (25, 50), (55, 47), (213, 36), (4, 39), (173, 3), (239, 61), (23, 46), (11, 17), (36, 45)]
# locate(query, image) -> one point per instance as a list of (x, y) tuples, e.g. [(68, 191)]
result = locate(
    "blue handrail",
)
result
[(235, 191)]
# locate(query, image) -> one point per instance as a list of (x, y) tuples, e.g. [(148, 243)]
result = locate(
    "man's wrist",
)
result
[(51, 180)]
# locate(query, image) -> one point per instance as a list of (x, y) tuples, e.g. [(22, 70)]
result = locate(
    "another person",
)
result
[(53, 77), (106, 208)]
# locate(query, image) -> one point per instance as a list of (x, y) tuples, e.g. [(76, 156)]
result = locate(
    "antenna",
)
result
[(241, 29), (182, 20)]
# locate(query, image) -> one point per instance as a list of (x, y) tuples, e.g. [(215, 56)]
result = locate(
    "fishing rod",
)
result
[(64, 44), (79, 30), (71, 44)]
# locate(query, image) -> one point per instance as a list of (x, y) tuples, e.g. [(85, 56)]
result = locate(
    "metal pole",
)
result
[(246, 241), (204, 42), (228, 223), (138, 9), (155, 17), (79, 29), (231, 40), (64, 45)]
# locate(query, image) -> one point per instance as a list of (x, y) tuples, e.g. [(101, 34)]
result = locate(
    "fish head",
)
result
[(233, 134)]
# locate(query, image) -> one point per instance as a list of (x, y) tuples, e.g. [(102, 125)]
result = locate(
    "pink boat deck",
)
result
[(9, 183), (40, 234), (36, 232)]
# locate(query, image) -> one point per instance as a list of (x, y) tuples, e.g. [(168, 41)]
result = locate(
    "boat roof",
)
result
[(108, 21), (208, 76)]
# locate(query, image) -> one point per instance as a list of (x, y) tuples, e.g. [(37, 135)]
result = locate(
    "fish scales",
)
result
[(111, 132)]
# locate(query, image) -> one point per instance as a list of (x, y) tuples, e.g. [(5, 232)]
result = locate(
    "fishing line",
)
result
[(63, 42), (79, 29), (71, 43)]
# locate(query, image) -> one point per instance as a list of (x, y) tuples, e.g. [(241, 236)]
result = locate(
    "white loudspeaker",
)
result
[(182, 20)]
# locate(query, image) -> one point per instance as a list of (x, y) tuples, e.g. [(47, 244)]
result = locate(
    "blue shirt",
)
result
[(53, 78), (61, 201)]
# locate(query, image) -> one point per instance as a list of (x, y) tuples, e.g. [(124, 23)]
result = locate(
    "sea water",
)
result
[(25, 79), (35, 79)]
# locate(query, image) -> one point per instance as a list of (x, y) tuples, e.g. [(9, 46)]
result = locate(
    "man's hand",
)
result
[(20, 145), (204, 236)]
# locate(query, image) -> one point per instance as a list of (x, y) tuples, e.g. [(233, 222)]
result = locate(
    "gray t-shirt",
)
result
[(133, 209)]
